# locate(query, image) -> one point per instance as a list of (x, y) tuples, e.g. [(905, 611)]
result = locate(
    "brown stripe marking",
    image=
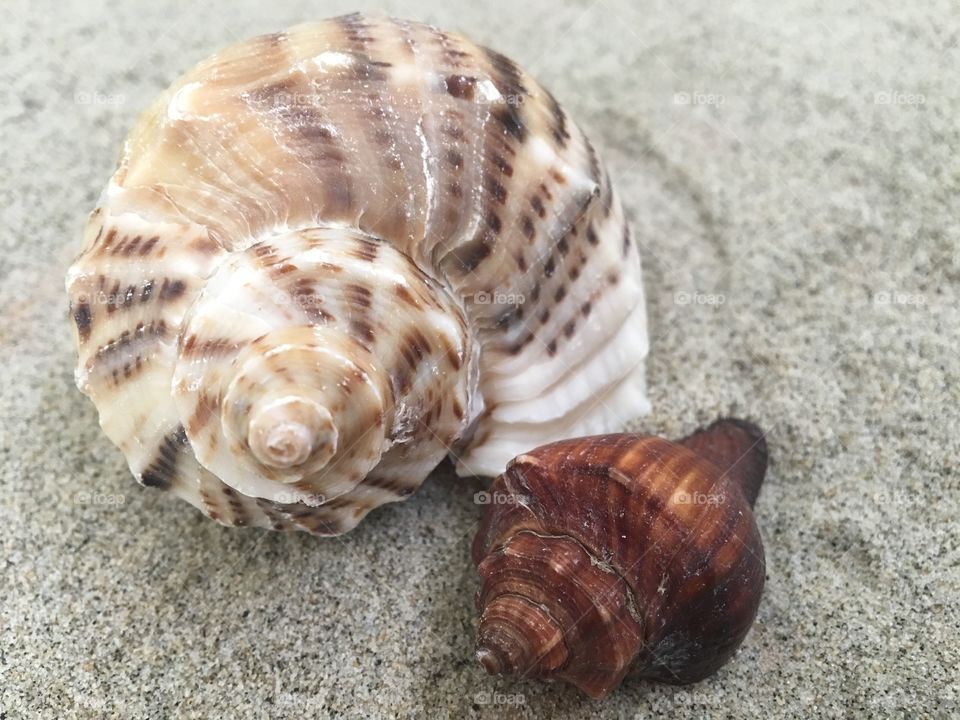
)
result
[(113, 347), (163, 470), (501, 164), (607, 194), (364, 69), (414, 347), (527, 227), (108, 240), (239, 515), (521, 343), (84, 320), (559, 117), (355, 29), (272, 512), (470, 254), (461, 86), (592, 235), (172, 289), (358, 295), (495, 188), (128, 296), (507, 78), (452, 131), (148, 246), (112, 296), (304, 297), (126, 245), (366, 250), (310, 139), (404, 294), (362, 332), (202, 413), (453, 355), (550, 266), (511, 121), (204, 244), (594, 160), (537, 204), (455, 159), (210, 347), (392, 485), (210, 506)]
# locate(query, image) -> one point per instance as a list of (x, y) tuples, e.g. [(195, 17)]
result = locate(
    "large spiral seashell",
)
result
[(617, 554), (331, 256)]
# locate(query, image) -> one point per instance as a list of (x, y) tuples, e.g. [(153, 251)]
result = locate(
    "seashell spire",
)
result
[(330, 257)]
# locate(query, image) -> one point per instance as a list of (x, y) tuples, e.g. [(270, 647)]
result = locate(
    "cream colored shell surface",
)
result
[(332, 256)]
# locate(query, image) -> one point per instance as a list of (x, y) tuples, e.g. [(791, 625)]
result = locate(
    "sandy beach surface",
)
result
[(791, 172)]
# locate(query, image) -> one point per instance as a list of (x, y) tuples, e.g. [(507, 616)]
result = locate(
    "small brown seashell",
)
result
[(625, 553)]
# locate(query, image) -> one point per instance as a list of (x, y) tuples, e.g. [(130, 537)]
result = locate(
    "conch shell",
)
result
[(622, 554), (332, 256)]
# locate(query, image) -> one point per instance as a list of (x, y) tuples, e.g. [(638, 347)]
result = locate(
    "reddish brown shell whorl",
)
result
[(622, 554)]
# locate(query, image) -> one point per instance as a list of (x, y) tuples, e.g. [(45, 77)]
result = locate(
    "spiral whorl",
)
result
[(305, 409), (287, 431), (322, 374), (519, 638)]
